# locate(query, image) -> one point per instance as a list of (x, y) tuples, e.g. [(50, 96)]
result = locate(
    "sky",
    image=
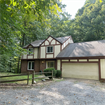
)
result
[(72, 6)]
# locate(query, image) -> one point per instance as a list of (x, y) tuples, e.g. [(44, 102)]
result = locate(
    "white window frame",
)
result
[(47, 50), (50, 62), (31, 52), (31, 65)]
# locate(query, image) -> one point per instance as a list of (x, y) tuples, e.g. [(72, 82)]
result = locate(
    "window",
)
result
[(31, 65), (30, 51), (50, 49), (50, 64)]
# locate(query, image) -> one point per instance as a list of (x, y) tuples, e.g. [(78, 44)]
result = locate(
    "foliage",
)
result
[(89, 22), (16, 22), (58, 74), (50, 70)]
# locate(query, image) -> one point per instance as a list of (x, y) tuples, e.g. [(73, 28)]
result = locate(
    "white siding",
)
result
[(53, 42), (58, 64), (50, 38), (57, 50), (24, 56), (102, 62), (42, 52), (93, 59), (35, 52), (49, 55), (46, 42), (30, 56), (82, 60)]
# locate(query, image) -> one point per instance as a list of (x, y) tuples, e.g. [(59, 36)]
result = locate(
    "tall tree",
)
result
[(89, 22), (15, 16)]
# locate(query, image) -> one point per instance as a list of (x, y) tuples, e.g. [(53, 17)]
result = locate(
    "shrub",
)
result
[(58, 74), (50, 70)]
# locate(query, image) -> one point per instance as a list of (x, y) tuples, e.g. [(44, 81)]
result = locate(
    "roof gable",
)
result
[(50, 39), (37, 43)]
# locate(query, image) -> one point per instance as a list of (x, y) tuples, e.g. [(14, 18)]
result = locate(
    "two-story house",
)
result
[(75, 60), (44, 53)]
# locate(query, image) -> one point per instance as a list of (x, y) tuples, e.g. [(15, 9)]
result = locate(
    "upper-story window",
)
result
[(30, 51), (50, 49)]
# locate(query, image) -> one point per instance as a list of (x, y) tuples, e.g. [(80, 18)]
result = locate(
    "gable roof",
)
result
[(84, 49), (62, 39), (37, 43)]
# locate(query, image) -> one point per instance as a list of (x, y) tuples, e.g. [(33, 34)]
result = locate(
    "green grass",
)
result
[(18, 77)]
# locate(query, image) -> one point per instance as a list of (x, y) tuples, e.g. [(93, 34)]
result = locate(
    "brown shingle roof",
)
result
[(62, 39), (37, 43), (84, 49)]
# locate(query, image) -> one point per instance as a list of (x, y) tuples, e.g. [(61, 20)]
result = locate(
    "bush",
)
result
[(58, 74), (50, 70)]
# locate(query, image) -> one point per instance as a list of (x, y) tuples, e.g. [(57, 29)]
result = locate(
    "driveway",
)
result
[(66, 92)]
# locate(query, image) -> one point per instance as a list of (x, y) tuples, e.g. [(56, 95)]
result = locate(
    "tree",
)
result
[(15, 15), (89, 22)]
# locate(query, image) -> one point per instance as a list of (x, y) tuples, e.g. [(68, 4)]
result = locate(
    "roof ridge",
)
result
[(88, 41)]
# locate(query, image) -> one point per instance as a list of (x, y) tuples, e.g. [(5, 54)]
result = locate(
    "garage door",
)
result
[(80, 70)]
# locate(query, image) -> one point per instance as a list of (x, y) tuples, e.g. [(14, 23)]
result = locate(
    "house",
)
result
[(76, 60)]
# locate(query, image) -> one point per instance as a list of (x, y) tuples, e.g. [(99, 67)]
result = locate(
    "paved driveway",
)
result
[(66, 92)]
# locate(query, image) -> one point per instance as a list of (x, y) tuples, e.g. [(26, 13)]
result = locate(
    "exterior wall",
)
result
[(49, 39), (73, 59), (58, 65), (80, 70), (42, 51), (24, 56), (24, 65), (35, 52), (50, 42), (82, 59), (46, 42), (67, 42), (102, 64), (42, 65), (49, 55), (37, 66), (93, 59), (32, 56), (65, 60), (57, 50), (53, 42)]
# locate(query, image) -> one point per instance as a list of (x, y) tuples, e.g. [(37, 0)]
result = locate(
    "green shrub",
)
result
[(50, 70), (58, 74)]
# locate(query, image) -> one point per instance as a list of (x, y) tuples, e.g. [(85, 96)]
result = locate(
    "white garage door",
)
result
[(80, 70)]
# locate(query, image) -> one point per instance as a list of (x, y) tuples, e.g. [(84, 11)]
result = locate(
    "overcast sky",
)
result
[(72, 6)]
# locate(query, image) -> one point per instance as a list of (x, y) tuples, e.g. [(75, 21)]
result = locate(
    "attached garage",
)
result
[(84, 60), (80, 70)]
